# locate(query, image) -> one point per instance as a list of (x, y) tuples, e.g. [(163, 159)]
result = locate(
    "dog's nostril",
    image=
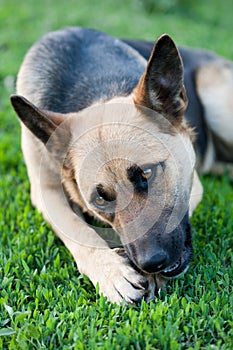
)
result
[(155, 263)]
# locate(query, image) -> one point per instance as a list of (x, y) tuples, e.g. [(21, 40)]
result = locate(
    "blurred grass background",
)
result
[(44, 302)]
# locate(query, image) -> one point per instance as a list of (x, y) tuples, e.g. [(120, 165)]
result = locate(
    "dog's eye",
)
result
[(147, 173), (103, 198), (100, 201)]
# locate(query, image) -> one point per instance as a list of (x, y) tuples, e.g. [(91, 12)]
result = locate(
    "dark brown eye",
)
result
[(147, 173), (100, 201)]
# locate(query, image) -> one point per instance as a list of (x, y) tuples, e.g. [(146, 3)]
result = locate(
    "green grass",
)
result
[(44, 302)]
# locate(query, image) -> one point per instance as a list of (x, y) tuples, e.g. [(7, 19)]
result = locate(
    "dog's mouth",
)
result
[(180, 266)]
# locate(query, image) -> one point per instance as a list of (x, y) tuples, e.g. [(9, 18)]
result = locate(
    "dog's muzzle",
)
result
[(170, 255), (182, 264)]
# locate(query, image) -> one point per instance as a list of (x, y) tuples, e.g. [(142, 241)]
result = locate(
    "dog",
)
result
[(107, 136)]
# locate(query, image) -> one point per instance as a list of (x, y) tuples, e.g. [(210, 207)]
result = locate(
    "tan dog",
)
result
[(106, 138)]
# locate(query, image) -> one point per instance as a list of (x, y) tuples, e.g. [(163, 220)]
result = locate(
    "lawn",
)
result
[(44, 302)]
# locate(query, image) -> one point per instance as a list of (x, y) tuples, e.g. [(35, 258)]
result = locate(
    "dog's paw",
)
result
[(120, 281)]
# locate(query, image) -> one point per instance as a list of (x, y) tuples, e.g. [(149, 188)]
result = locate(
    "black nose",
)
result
[(155, 263)]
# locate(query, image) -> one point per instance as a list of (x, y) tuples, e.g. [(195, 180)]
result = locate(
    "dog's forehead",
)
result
[(120, 141), (118, 145), (117, 130), (109, 138)]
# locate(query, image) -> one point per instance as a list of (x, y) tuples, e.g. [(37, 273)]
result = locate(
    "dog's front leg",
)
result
[(116, 278)]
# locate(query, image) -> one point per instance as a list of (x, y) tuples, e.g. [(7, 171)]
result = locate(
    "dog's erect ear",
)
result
[(161, 87), (43, 125)]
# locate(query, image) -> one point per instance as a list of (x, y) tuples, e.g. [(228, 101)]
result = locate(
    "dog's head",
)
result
[(130, 162)]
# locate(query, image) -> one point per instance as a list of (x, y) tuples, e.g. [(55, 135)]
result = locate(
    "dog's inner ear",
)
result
[(43, 125), (161, 88)]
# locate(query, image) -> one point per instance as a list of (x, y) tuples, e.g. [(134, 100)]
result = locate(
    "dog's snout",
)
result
[(154, 263)]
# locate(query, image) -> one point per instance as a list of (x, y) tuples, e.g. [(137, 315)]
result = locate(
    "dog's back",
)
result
[(70, 69)]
